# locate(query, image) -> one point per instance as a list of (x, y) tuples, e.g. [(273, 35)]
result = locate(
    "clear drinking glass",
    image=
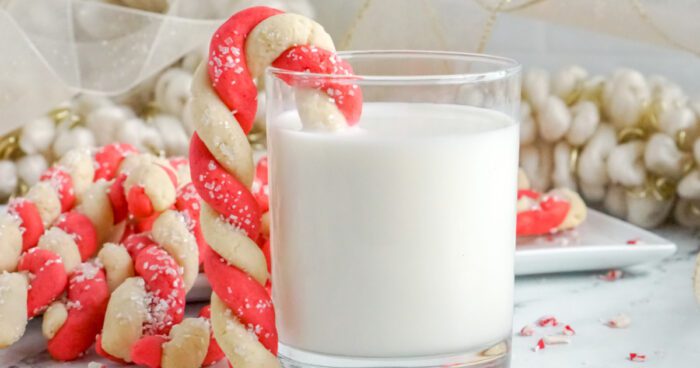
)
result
[(393, 240)]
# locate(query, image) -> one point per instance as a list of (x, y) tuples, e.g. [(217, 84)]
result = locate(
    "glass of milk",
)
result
[(393, 240)]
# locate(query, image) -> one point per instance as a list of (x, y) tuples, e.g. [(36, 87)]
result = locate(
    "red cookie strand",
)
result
[(247, 299), (528, 193), (165, 287), (117, 198), (31, 224), (142, 225), (227, 67), (88, 296), (134, 244), (108, 159), (82, 230), (62, 181), (47, 278), (544, 218), (346, 95), (147, 351), (188, 201), (226, 195), (139, 203), (260, 185)]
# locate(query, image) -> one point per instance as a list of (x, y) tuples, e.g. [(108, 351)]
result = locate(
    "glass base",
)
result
[(494, 356)]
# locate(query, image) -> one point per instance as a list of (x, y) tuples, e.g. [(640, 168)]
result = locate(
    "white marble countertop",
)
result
[(658, 298)]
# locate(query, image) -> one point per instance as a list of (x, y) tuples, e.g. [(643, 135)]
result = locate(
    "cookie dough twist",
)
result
[(71, 326), (144, 319), (45, 239), (223, 109), (29, 216)]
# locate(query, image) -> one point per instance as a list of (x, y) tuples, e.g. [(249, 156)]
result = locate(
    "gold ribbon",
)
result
[(9, 146)]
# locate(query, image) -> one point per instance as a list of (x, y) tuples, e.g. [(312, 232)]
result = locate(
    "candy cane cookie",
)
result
[(71, 324), (144, 318), (23, 228), (223, 109), (58, 258)]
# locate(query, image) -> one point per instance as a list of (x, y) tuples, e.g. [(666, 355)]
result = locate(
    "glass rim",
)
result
[(506, 67)]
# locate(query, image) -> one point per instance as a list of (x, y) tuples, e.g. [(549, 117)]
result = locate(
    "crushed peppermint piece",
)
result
[(620, 321), (611, 275), (547, 321), (539, 346), (568, 331), (634, 357), (527, 330)]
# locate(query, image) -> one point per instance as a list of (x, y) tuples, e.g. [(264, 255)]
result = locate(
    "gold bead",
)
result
[(573, 160), (575, 95), (74, 121), (687, 163), (632, 133), (649, 120), (9, 146), (22, 188), (258, 137), (664, 189), (59, 114), (682, 139), (593, 94), (638, 192)]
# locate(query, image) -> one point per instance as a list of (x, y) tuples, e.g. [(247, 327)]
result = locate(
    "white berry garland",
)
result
[(628, 143)]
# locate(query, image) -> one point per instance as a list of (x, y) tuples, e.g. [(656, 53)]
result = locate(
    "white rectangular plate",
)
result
[(600, 243)]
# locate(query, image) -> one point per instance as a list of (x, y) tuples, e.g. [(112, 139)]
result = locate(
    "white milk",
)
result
[(394, 238)]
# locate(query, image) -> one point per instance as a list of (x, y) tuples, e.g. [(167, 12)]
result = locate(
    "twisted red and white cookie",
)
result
[(60, 256), (144, 321), (43, 258), (29, 216), (557, 210), (221, 164), (70, 326)]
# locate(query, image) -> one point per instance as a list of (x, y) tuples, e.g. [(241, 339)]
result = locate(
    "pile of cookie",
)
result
[(94, 221)]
